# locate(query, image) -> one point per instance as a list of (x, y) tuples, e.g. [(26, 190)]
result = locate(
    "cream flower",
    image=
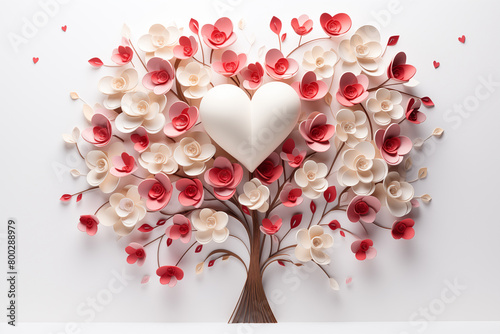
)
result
[(255, 196), (100, 166), (362, 51), (159, 158), (193, 152), (311, 245), (141, 109), (396, 194), (196, 78), (319, 61), (361, 169), (160, 41), (386, 106), (351, 126), (125, 210), (311, 178), (210, 225), (116, 87)]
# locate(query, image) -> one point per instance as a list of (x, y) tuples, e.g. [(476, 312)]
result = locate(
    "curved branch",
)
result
[(227, 252)]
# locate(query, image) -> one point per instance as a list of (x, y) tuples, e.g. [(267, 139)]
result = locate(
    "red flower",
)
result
[(363, 249), (270, 169), (100, 132), (183, 118), (291, 154), (157, 191), (224, 177), (140, 139), (230, 63), (136, 253), (123, 54), (278, 67), (363, 208), (403, 229), (399, 70), (291, 196), (88, 224), (123, 165), (392, 146), (412, 113), (303, 25), (271, 225), (219, 35), (187, 47), (170, 275), (160, 76), (191, 192), (317, 132), (252, 76), (181, 229), (335, 25), (309, 88), (352, 89)]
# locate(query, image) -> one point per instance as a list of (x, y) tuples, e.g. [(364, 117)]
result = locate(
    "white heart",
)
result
[(250, 130)]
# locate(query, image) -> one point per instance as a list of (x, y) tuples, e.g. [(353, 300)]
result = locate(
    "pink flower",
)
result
[(88, 224), (403, 229), (181, 229), (399, 70), (157, 191), (123, 165), (224, 177), (136, 254), (413, 114), (230, 63), (278, 67), (363, 208), (309, 89), (352, 89), (271, 225), (123, 54), (270, 169), (291, 196), (335, 25), (291, 154), (252, 76), (191, 192), (392, 145), (317, 132), (183, 118), (303, 25), (160, 76), (187, 47), (140, 139), (170, 275), (100, 132), (219, 35), (363, 249)]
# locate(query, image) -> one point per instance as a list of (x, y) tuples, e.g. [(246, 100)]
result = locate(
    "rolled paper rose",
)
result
[(317, 132), (122, 55), (302, 25), (219, 35), (363, 249), (291, 196), (100, 132), (191, 192), (392, 145), (335, 25), (230, 64), (123, 165), (363, 208), (170, 275), (136, 253), (403, 229), (180, 229), (88, 224), (157, 191), (270, 169), (309, 88), (399, 70), (352, 89), (187, 47), (413, 114), (291, 154), (271, 225), (224, 177), (278, 67), (252, 76), (160, 76), (140, 140), (183, 117)]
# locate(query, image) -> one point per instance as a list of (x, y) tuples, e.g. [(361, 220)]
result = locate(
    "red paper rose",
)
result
[(219, 35), (278, 67), (157, 191), (160, 76), (352, 89), (191, 192), (230, 63), (363, 249), (392, 145), (252, 76), (170, 275), (291, 196), (181, 229), (136, 252), (363, 208), (88, 224), (403, 229), (187, 47), (317, 132), (271, 225), (309, 88), (302, 25), (100, 132), (413, 114), (335, 25), (270, 169), (183, 118), (224, 177), (399, 70), (291, 154), (123, 54)]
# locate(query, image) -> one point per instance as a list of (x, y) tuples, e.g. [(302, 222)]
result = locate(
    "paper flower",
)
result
[(392, 145), (363, 208), (403, 229), (291, 196), (136, 253), (399, 70), (352, 89), (311, 245), (363, 249), (309, 88), (252, 76), (116, 87), (351, 126), (160, 41), (157, 192), (88, 224), (311, 178), (210, 225), (123, 165), (396, 194), (413, 114), (319, 61), (278, 67), (219, 35), (386, 106), (230, 63), (361, 170), (196, 78), (255, 196), (180, 229), (302, 25), (291, 154), (193, 152), (170, 275), (160, 76), (122, 55), (140, 139), (159, 158), (224, 177), (271, 225), (187, 47), (100, 166), (183, 118), (125, 210), (141, 109), (99, 134), (361, 51), (317, 132), (270, 169), (335, 25), (191, 192)]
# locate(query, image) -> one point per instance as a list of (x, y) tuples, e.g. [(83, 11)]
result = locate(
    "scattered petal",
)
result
[(438, 132), (393, 40), (145, 228), (422, 173)]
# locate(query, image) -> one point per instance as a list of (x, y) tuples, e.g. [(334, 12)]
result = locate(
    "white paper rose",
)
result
[(100, 166), (193, 152), (160, 41), (141, 109), (311, 245), (311, 178), (386, 106), (351, 126), (319, 61), (396, 194), (255, 196), (159, 158), (116, 87), (195, 77), (210, 225)]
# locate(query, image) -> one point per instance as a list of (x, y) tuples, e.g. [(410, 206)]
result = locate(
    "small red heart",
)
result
[(64, 28), (462, 39), (35, 60), (436, 64)]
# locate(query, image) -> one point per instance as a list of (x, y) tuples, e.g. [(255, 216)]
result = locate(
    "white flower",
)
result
[(319, 61), (361, 169), (311, 245), (362, 51), (386, 106), (311, 178), (351, 126), (396, 194), (141, 109), (160, 41), (159, 158), (100, 166), (196, 78), (115, 87), (125, 210), (193, 152), (210, 225), (255, 196)]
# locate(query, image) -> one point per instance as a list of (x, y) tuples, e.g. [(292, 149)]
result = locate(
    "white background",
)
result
[(60, 268)]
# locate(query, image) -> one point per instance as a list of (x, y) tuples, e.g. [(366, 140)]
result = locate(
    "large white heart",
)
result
[(250, 130)]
